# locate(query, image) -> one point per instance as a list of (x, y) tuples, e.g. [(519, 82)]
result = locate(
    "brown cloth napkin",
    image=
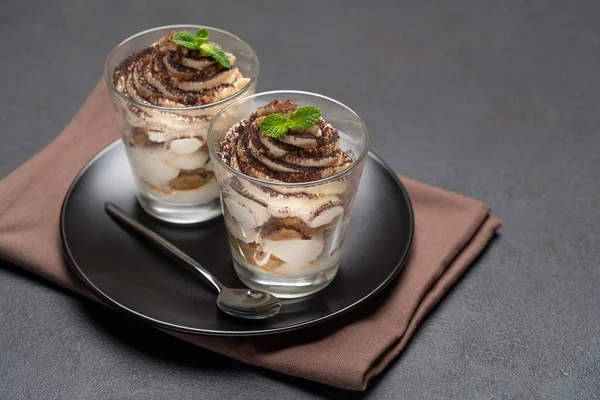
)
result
[(450, 232)]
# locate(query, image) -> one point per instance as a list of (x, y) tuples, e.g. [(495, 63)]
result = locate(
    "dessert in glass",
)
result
[(288, 165), (166, 85)]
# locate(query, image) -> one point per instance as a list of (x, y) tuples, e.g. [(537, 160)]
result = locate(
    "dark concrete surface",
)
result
[(498, 100)]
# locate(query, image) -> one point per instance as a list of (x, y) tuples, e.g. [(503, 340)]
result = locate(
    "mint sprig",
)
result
[(202, 35), (276, 125), (216, 53), (184, 39), (200, 43)]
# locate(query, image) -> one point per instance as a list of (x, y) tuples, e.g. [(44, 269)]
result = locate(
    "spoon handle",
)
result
[(116, 212)]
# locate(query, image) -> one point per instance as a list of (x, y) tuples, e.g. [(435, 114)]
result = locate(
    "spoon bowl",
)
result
[(248, 303)]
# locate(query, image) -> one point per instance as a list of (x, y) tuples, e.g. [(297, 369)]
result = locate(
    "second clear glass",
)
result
[(257, 211)]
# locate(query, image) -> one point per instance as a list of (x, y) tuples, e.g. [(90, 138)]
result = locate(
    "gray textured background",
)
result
[(498, 100)]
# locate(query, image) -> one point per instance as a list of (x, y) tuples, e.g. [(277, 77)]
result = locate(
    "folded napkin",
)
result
[(450, 232)]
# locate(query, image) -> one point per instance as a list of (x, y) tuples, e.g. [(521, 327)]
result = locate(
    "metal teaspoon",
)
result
[(241, 303)]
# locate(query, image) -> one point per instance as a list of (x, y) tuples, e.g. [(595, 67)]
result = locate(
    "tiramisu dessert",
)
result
[(167, 147), (291, 228)]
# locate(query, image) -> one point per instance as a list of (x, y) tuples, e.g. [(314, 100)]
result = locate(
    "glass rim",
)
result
[(341, 174), (109, 81)]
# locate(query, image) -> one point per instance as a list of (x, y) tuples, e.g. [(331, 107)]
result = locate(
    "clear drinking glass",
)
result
[(168, 153), (257, 210)]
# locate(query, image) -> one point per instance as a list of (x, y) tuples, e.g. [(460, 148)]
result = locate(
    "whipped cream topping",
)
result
[(168, 75), (298, 156)]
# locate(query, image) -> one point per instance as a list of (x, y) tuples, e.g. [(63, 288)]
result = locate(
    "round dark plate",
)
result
[(129, 274)]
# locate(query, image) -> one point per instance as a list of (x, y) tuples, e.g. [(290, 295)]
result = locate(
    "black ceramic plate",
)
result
[(126, 272)]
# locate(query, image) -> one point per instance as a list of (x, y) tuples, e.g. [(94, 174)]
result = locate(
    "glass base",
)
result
[(178, 213), (285, 288)]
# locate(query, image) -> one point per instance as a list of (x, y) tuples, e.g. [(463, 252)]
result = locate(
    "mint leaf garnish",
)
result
[(305, 117), (276, 125), (201, 36), (200, 43), (185, 39), (216, 53)]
